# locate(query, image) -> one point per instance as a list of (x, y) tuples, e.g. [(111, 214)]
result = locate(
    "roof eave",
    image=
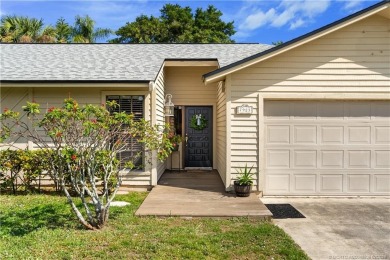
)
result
[(75, 83), (220, 73)]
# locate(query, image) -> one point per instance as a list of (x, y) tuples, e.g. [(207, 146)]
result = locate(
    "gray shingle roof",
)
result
[(111, 62)]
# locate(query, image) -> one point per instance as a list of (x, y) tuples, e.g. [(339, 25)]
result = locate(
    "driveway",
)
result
[(339, 228)]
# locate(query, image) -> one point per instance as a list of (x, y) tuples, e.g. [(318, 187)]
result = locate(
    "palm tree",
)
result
[(22, 29), (8, 29), (84, 30)]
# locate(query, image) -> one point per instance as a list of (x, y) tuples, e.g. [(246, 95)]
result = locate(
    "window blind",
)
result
[(130, 105)]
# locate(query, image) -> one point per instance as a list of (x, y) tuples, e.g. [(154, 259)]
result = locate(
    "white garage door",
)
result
[(327, 148)]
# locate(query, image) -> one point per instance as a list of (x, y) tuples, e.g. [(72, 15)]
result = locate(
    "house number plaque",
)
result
[(244, 110)]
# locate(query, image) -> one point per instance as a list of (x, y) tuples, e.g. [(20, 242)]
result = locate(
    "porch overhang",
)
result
[(191, 62)]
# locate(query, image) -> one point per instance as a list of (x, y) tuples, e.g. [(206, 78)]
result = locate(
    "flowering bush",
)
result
[(84, 144)]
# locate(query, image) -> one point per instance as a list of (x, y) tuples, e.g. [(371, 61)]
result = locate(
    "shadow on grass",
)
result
[(22, 222)]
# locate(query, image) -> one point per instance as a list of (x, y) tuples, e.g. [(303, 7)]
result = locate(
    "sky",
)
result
[(256, 21)]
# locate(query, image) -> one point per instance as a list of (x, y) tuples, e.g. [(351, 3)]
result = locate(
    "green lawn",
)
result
[(42, 227)]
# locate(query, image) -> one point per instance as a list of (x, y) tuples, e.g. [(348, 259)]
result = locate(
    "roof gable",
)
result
[(381, 8)]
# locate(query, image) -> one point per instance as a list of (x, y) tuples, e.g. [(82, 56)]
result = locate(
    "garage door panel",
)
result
[(359, 159), (331, 183), (358, 110), (305, 183), (278, 159), (331, 111), (304, 110), (327, 148), (278, 134), (382, 159), (358, 183), (382, 135), (332, 135), (305, 159), (359, 135), (332, 159), (305, 134), (279, 183), (381, 110), (277, 110), (381, 183)]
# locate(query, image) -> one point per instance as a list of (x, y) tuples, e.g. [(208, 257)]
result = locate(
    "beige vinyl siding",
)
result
[(327, 64), (187, 88), (159, 97), (352, 63), (14, 99), (221, 132)]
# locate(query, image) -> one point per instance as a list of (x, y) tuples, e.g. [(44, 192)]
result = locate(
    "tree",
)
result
[(63, 31), (178, 24), (84, 30), (277, 43), (83, 144), (210, 28), (20, 29), (145, 29)]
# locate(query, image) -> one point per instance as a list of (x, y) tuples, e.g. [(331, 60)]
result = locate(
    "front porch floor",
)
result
[(199, 194)]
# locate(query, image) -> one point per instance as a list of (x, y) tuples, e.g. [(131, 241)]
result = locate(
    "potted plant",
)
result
[(243, 184), (175, 140)]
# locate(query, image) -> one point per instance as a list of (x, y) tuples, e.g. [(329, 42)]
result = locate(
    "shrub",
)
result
[(82, 145)]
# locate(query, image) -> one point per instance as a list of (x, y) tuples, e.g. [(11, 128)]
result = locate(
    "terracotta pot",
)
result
[(242, 190), (175, 148)]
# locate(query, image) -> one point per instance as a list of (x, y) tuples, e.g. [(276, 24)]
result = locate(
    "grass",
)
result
[(43, 227)]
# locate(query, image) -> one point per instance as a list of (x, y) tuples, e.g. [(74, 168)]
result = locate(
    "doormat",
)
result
[(281, 211)]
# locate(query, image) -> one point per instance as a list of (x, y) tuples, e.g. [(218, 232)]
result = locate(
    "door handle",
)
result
[(186, 139)]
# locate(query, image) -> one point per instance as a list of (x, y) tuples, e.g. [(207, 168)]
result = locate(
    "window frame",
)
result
[(146, 116)]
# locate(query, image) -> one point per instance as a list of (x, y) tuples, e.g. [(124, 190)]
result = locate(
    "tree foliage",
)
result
[(178, 24), (21, 29), (84, 30), (83, 144), (22, 169), (63, 31), (277, 43)]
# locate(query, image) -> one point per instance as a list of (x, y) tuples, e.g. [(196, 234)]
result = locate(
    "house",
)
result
[(312, 116)]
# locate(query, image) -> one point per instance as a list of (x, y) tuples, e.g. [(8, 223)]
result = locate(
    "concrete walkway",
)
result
[(339, 228), (198, 194)]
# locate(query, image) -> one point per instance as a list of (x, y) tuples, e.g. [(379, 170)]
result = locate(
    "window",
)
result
[(131, 105)]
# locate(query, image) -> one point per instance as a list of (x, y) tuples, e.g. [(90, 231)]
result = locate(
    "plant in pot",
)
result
[(243, 184), (175, 140)]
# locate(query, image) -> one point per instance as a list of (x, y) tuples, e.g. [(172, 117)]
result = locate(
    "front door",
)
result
[(199, 132)]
